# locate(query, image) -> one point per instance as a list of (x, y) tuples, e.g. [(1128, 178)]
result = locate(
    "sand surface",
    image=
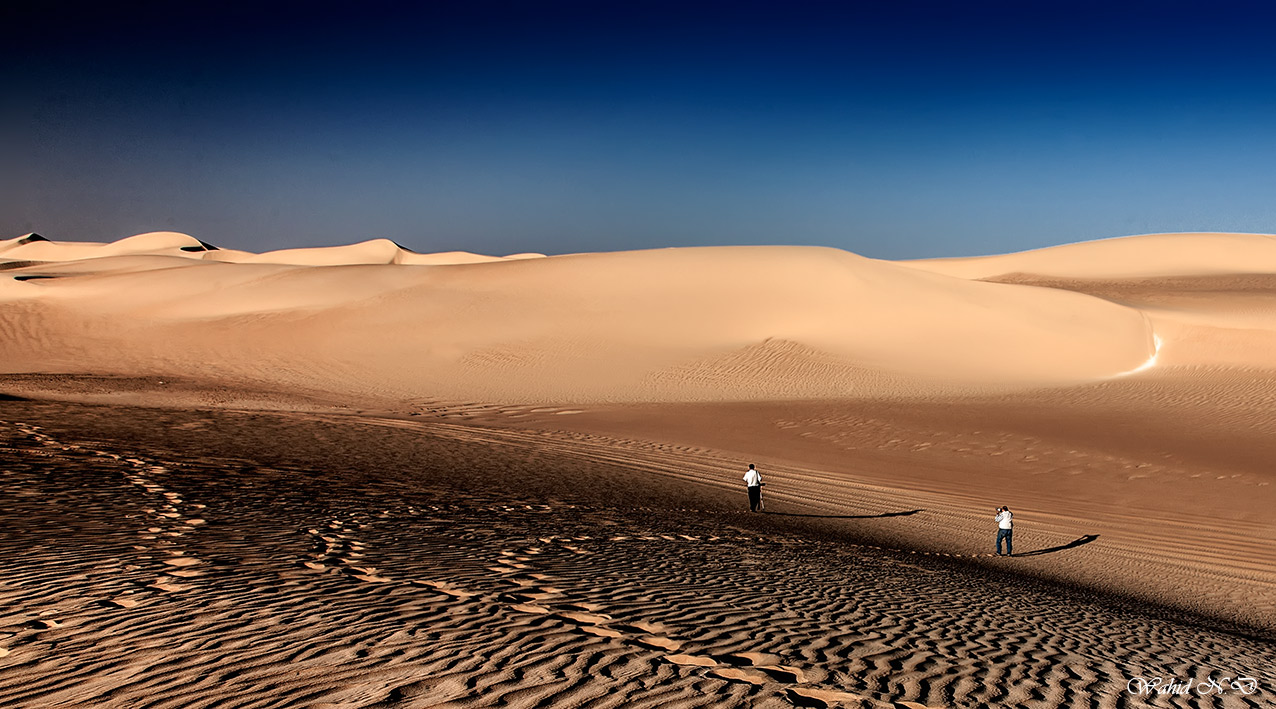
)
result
[(667, 325), (200, 558), (355, 476)]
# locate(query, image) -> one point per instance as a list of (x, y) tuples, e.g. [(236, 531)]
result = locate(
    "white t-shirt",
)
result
[(1003, 520), (752, 478)]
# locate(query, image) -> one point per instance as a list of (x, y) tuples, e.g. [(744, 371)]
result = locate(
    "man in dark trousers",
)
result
[(753, 483), (1005, 529)]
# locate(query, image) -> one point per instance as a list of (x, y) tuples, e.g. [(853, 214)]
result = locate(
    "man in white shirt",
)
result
[(1005, 529), (753, 483)]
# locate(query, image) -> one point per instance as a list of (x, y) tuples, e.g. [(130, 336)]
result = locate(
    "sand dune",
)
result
[(33, 247), (653, 325), (515, 480), (376, 251), (1150, 255)]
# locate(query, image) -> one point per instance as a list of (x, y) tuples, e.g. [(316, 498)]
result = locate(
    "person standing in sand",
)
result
[(753, 483), (1005, 529)]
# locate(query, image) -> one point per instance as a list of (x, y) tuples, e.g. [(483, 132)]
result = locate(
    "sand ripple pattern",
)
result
[(134, 580)]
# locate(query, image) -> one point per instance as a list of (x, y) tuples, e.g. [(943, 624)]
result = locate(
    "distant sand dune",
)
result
[(673, 324), (1149, 255), (376, 251), (159, 243)]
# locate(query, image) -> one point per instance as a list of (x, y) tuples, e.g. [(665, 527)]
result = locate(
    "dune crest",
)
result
[(373, 252), (34, 247), (168, 243)]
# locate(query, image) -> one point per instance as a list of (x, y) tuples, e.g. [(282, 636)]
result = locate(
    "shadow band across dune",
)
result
[(1070, 545), (884, 514)]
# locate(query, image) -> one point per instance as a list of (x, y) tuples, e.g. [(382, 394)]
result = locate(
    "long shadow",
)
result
[(884, 514), (1070, 545)]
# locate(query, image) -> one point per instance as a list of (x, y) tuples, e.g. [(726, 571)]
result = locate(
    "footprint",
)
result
[(444, 587), (587, 618), (812, 697), (692, 660), (751, 658), (737, 675), (784, 673), (180, 561), (662, 643), (641, 626)]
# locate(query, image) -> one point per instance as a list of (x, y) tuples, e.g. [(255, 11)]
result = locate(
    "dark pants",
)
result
[(755, 497), (1004, 534)]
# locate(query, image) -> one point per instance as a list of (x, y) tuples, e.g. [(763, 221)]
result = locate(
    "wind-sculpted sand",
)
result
[(662, 325), (167, 558), (360, 476)]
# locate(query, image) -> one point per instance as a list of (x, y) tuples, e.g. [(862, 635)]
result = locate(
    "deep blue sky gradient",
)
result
[(893, 129)]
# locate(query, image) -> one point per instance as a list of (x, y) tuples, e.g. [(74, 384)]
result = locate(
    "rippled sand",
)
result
[(180, 558)]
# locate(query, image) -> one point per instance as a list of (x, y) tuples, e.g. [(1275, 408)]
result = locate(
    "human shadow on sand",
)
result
[(884, 514), (1070, 545)]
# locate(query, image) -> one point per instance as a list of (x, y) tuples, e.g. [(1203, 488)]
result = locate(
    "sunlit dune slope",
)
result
[(1210, 297), (1149, 255), (675, 324), (34, 247)]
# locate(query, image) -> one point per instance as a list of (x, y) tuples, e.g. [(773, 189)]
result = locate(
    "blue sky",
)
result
[(892, 129)]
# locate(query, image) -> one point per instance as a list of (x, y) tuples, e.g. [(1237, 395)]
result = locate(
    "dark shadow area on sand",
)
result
[(1070, 545), (884, 514)]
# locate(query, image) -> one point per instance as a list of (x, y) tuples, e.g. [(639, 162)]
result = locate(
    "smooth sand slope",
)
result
[(668, 325), (1146, 256)]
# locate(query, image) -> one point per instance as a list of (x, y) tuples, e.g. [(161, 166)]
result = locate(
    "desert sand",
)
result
[(357, 476)]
